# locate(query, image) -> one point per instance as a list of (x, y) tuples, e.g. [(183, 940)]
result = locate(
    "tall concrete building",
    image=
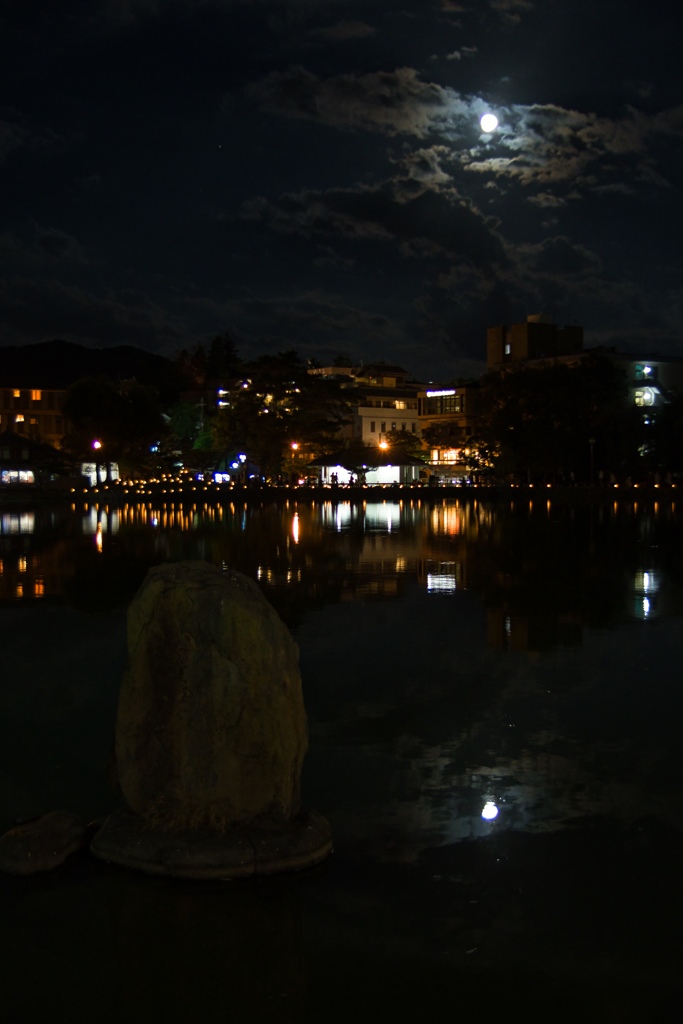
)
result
[(534, 338)]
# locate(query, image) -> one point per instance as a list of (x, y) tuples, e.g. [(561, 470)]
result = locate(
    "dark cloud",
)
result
[(40, 247), (342, 31), (32, 311), (17, 133), (512, 10), (559, 256), (305, 170), (392, 102), (425, 224)]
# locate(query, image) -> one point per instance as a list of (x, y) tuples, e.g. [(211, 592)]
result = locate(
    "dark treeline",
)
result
[(556, 423)]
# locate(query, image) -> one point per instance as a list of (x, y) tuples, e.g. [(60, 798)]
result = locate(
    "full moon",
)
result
[(489, 123), (490, 811)]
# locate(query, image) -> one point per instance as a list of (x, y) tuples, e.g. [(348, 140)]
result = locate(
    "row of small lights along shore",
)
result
[(168, 482)]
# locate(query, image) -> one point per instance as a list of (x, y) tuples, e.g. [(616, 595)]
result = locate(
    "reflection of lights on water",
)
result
[(23, 522), (646, 585), (337, 516), (646, 582), (441, 583), (448, 520), (295, 528), (444, 577), (382, 516), (490, 811)]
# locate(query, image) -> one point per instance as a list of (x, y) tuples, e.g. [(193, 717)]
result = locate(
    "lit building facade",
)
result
[(387, 403), (35, 413), (448, 421)]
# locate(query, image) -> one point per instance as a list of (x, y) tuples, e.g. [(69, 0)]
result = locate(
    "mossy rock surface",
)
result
[(211, 728)]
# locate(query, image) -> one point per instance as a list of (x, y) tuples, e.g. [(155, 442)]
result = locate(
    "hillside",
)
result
[(56, 364)]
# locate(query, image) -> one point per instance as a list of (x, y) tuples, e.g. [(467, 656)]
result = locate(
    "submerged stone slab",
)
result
[(42, 844), (240, 852)]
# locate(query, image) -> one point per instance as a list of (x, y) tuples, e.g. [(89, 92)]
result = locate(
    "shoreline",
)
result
[(119, 493)]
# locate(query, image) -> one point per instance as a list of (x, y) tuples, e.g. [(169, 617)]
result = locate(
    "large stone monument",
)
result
[(211, 733)]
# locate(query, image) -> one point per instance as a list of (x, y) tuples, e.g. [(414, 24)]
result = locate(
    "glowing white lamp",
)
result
[(489, 123)]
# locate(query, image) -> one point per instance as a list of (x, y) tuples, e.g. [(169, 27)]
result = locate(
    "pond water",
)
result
[(495, 702)]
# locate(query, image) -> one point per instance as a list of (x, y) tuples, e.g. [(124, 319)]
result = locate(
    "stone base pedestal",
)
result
[(240, 852)]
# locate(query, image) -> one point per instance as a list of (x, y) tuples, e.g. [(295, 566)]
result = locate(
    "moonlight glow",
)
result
[(489, 123), (490, 811)]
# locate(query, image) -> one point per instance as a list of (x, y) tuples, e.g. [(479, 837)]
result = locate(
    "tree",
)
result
[(222, 361), (664, 435), (405, 441), (124, 420), (357, 456), (442, 435), (552, 421), (277, 404), (184, 422)]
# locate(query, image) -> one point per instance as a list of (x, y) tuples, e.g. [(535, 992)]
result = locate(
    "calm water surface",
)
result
[(495, 704)]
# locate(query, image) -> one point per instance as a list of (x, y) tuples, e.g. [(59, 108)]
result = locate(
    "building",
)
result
[(25, 462), (652, 379), (386, 403), (375, 466), (448, 420), (34, 413), (534, 338), (537, 341)]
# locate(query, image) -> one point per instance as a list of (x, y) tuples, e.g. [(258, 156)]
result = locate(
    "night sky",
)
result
[(311, 174)]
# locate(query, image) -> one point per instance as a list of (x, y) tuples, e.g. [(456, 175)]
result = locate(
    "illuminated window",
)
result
[(19, 418), (17, 393), (22, 563), (36, 396), (644, 396), (39, 587)]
